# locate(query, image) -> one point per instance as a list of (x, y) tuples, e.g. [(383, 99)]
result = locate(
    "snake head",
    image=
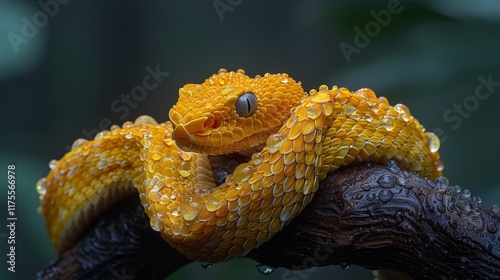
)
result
[(231, 112)]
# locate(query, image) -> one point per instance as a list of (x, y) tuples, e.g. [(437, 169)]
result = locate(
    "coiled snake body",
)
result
[(295, 138)]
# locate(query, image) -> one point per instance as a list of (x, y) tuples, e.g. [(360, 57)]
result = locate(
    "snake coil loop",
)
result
[(304, 138)]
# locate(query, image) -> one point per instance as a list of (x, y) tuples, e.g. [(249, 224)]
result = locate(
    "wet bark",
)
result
[(374, 216)]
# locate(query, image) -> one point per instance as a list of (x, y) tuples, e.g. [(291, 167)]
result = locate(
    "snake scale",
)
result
[(295, 139)]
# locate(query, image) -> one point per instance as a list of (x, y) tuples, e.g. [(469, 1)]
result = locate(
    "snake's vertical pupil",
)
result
[(249, 105), (246, 105)]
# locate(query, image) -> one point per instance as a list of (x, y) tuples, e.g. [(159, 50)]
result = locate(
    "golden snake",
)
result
[(305, 136)]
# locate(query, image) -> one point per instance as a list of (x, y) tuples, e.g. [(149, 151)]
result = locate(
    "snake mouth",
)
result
[(195, 132)]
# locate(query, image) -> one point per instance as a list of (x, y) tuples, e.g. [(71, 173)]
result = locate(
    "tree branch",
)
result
[(374, 216)]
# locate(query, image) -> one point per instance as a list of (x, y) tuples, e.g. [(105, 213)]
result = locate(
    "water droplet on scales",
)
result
[(41, 187), (52, 163), (387, 122), (434, 142), (183, 169)]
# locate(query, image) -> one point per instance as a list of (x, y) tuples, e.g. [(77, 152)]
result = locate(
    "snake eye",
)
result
[(246, 105)]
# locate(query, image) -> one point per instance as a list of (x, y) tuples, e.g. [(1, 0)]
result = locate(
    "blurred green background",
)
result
[(62, 67)]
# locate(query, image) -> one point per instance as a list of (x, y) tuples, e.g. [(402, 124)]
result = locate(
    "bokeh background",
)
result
[(58, 81)]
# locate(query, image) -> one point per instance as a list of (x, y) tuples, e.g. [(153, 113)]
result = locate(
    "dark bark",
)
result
[(370, 215), (120, 245)]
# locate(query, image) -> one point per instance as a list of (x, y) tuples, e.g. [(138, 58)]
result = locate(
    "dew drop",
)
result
[(464, 205), (495, 208), (370, 197), (440, 166), (221, 81), (327, 108), (478, 199), (156, 156), (127, 124), (243, 172), (401, 181), (206, 265), (387, 122), (100, 135), (184, 155), (169, 142), (367, 93), (312, 113), (349, 109), (387, 181), (145, 119), (284, 81), (78, 142), (274, 142), (257, 158), (434, 142), (441, 183), (189, 211), (155, 222), (285, 215), (41, 186), (491, 228), (383, 99), (264, 269), (385, 196), (52, 164), (183, 169), (345, 266), (323, 87), (458, 189), (403, 111), (393, 167), (405, 117), (466, 193)]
